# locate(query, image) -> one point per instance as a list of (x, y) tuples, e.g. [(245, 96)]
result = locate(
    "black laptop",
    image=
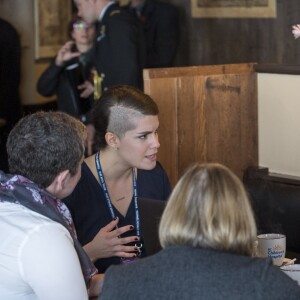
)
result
[(150, 213)]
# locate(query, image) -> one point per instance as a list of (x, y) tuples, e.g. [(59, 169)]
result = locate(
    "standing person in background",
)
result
[(10, 69), (69, 75), (104, 205), (160, 23), (118, 51), (207, 232)]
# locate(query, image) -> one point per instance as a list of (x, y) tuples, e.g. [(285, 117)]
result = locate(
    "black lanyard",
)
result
[(108, 201)]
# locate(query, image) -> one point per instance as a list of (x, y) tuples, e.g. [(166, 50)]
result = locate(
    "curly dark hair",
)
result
[(44, 144)]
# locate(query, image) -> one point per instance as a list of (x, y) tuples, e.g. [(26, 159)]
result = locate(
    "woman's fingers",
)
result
[(126, 240), (110, 226), (125, 251), (120, 249), (87, 89), (112, 230), (109, 242), (119, 231)]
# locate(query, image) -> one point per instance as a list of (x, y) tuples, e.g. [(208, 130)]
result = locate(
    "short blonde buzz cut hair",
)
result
[(209, 208)]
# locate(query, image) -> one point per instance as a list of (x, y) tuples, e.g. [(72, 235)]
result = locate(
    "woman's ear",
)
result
[(112, 140)]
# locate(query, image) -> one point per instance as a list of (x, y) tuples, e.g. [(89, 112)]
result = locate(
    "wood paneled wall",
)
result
[(220, 41), (207, 114), (202, 41)]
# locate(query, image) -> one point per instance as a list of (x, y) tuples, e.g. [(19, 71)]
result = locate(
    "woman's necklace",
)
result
[(121, 198)]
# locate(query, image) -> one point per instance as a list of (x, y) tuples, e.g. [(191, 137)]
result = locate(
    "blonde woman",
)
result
[(207, 232)]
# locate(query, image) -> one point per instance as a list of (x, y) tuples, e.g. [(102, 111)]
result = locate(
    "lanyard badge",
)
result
[(138, 245)]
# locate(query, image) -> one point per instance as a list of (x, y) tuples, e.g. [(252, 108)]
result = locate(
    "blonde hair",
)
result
[(209, 208)]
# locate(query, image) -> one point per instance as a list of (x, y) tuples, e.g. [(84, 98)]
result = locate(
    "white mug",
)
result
[(292, 271), (272, 245)]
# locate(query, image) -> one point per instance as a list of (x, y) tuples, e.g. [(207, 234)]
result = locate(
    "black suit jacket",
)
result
[(10, 56), (63, 82), (160, 22), (117, 50)]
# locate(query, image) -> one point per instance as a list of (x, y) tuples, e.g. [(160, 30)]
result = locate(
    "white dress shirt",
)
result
[(37, 258)]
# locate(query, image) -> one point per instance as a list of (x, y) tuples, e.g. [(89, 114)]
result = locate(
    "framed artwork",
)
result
[(51, 22), (123, 2), (233, 8)]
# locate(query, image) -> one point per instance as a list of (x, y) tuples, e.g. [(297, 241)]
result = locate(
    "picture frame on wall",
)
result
[(234, 8), (123, 2), (50, 26)]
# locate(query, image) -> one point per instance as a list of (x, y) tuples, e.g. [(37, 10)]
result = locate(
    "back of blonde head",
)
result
[(209, 208)]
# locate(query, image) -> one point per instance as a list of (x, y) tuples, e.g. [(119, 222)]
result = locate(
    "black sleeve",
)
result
[(48, 82), (118, 52), (166, 34), (10, 56)]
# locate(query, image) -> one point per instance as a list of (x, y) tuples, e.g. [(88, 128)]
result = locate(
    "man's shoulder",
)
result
[(7, 26), (161, 7), (28, 221), (8, 33), (115, 12)]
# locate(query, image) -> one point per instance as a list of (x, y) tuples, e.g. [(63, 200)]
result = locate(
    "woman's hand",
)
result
[(86, 89), (108, 243), (65, 53), (296, 31)]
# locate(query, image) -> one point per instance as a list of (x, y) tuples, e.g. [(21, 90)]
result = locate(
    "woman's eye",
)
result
[(142, 137)]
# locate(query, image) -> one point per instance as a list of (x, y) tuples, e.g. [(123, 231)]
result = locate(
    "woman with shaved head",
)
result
[(104, 204)]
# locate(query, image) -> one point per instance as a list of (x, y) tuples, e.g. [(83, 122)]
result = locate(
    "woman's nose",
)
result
[(155, 142)]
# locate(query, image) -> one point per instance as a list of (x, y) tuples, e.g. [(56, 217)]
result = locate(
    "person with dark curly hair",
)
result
[(40, 255)]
